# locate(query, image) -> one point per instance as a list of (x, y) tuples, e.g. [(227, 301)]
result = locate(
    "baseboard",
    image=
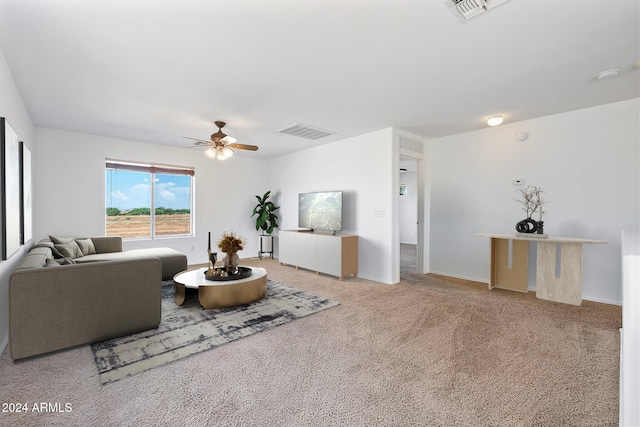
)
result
[(457, 276), (601, 301), (371, 279)]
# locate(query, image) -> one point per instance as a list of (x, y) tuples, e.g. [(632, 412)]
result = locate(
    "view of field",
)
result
[(130, 226)]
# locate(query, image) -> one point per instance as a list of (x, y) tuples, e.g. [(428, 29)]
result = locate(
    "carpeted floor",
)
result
[(425, 352), (408, 260)]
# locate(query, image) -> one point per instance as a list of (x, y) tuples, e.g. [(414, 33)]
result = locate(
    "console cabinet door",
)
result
[(287, 249), (329, 249), (307, 251)]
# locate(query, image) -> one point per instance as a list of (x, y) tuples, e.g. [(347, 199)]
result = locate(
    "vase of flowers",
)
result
[(230, 243)]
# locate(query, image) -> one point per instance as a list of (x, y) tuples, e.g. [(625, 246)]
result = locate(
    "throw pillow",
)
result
[(56, 253), (67, 246), (86, 246), (52, 263)]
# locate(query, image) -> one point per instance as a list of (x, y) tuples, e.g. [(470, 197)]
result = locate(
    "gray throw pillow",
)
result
[(86, 246), (67, 246), (51, 263)]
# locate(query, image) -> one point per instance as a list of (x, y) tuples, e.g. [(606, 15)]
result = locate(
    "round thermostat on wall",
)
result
[(521, 136)]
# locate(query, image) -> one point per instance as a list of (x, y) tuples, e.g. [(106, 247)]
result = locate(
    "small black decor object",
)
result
[(530, 226), (526, 226)]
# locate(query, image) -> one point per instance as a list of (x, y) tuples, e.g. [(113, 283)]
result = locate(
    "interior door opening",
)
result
[(408, 202)]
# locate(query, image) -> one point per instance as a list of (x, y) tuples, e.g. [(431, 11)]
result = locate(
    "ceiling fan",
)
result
[(221, 145)]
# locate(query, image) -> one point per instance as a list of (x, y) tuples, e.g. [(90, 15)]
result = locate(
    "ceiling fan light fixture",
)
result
[(229, 139), (221, 155), (211, 152), (495, 120), (224, 153)]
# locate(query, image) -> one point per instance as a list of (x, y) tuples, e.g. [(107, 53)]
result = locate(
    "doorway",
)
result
[(408, 216)]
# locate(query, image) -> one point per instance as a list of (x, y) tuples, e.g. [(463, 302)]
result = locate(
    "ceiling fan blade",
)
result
[(198, 141), (244, 147)]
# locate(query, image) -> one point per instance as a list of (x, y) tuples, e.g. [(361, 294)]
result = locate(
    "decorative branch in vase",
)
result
[(531, 201)]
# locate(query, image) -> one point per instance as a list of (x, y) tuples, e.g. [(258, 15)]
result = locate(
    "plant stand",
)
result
[(265, 245)]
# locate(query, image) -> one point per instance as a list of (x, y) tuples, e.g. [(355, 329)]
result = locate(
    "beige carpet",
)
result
[(425, 352)]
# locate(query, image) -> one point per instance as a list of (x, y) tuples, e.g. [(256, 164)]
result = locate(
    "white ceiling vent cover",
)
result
[(305, 131), (410, 145), (467, 9)]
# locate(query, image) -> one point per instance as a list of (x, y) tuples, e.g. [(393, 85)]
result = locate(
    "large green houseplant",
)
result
[(267, 220)]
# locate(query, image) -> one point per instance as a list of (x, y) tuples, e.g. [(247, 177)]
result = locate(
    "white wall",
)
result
[(408, 209), (12, 108), (630, 332), (361, 167), (69, 189), (586, 160)]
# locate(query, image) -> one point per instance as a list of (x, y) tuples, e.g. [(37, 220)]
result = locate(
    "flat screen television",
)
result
[(320, 211)]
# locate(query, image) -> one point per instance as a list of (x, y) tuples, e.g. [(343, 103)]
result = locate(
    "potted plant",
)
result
[(267, 221)]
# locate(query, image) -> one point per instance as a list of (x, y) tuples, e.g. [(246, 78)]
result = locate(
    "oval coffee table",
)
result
[(220, 294)]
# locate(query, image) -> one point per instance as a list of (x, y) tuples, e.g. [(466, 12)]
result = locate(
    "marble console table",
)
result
[(558, 266)]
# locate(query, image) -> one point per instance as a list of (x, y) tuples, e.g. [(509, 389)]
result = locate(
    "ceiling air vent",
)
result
[(305, 131), (467, 9), (410, 145)]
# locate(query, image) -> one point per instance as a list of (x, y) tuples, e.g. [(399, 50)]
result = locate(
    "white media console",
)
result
[(333, 254)]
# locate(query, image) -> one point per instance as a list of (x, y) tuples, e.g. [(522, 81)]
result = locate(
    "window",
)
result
[(148, 201)]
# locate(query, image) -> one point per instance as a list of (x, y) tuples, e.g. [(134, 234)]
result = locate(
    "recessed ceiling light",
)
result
[(494, 121), (606, 74)]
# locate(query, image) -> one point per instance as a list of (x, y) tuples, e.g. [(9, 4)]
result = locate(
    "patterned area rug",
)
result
[(190, 329)]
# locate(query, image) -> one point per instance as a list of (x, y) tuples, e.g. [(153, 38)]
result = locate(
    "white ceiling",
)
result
[(158, 70)]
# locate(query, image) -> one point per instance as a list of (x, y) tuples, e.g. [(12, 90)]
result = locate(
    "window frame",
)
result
[(153, 169)]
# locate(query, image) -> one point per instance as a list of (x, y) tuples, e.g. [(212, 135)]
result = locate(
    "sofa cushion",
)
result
[(45, 243), (37, 250), (32, 261), (171, 260), (86, 246), (67, 246)]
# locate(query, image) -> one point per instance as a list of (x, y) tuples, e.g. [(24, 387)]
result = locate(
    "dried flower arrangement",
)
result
[(532, 200), (231, 243)]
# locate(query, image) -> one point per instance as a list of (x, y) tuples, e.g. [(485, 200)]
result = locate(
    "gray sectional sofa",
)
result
[(73, 291)]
